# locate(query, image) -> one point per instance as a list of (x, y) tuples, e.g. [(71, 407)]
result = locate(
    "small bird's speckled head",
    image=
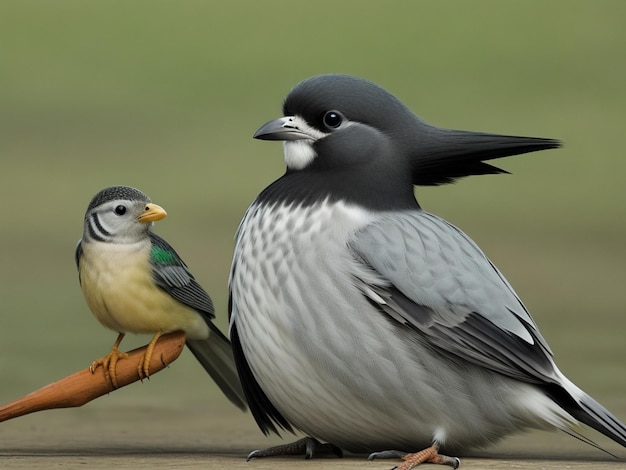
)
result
[(120, 214), (117, 192)]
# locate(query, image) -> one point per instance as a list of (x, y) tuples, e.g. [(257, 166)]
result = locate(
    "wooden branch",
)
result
[(83, 386)]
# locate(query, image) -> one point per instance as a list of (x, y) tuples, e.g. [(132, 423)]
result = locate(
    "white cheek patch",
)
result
[(298, 153)]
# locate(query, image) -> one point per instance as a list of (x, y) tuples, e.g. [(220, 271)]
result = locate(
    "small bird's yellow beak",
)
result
[(152, 213)]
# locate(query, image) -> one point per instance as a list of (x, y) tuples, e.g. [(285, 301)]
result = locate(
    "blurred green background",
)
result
[(165, 96)]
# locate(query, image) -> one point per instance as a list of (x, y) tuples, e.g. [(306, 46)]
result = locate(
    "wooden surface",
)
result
[(217, 435), (141, 427)]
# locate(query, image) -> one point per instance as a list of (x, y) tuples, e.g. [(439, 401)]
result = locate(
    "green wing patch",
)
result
[(160, 255)]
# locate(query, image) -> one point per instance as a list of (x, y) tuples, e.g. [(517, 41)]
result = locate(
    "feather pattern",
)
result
[(378, 330), (433, 278), (171, 274)]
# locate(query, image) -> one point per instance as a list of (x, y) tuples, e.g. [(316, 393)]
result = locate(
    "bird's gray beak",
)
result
[(283, 128)]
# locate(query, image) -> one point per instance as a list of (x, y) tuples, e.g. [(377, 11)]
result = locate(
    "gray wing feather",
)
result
[(428, 275), (173, 277)]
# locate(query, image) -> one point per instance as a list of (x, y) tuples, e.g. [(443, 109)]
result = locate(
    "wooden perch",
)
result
[(83, 386)]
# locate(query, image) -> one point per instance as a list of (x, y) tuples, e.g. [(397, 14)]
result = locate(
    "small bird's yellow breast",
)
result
[(120, 291)]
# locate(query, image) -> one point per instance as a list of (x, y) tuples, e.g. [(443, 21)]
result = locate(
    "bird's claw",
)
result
[(143, 368), (307, 446), (109, 365), (410, 460)]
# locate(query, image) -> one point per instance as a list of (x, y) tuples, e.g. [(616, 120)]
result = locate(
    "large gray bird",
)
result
[(364, 321)]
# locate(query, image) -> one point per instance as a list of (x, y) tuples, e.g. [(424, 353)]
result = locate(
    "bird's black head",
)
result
[(361, 143)]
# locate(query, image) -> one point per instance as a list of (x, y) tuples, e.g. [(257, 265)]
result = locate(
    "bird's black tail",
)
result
[(216, 356), (588, 411), (593, 414)]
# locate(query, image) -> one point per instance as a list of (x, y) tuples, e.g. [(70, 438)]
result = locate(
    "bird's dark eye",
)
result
[(332, 119), (120, 210)]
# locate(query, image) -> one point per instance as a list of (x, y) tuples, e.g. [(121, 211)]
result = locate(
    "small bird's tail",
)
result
[(216, 356)]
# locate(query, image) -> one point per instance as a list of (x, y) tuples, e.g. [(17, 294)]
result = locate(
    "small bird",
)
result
[(134, 281), (364, 321)]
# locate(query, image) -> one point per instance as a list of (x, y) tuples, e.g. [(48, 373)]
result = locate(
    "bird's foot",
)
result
[(109, 362), (429, 455), (143, 368), (307, 446)]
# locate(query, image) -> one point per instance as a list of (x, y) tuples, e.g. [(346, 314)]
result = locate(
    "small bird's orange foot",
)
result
[(143, 368), (109, 362), (428, 455), (307, 446)]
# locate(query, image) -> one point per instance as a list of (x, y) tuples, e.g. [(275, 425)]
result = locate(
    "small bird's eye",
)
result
[(120, 210), (332, 119)]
